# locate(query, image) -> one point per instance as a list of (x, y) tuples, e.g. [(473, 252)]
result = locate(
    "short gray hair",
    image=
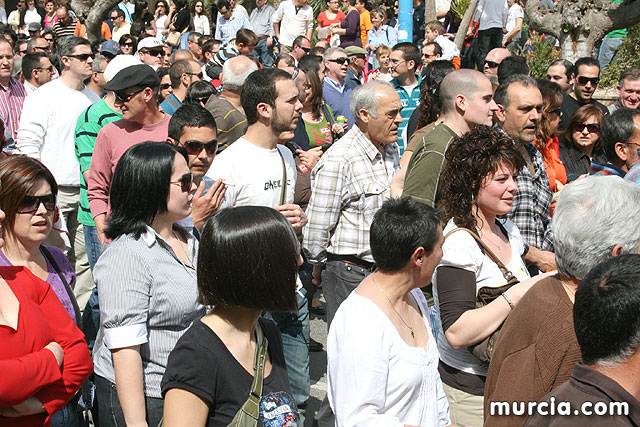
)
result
[(235, 71), (330, 53), (365, 97), (592, 216), (66, 45), (96, 67)]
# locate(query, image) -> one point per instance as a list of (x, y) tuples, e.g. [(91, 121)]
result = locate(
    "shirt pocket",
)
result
[(372, 197)]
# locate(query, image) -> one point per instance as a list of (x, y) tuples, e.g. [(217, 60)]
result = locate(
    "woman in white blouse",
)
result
[(146, 279), (200, 20), (383, 360), (160, 15)]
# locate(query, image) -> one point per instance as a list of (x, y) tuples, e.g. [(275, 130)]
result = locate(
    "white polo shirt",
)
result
[(293, 21)]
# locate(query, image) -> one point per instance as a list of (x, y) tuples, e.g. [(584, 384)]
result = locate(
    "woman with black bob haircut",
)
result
[(382, 358), (248, 264), (146, 281)]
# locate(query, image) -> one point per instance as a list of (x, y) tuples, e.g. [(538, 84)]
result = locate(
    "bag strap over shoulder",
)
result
[(283, 192), (508, 275), (54, 264)]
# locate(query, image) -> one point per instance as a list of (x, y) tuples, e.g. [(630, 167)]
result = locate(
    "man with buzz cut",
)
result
[(259, 171), (36, 69), (182, 74)]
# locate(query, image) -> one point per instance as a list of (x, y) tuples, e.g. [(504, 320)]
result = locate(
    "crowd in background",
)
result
[(179, 195)]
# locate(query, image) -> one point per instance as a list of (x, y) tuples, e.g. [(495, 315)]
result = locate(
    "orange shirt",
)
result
[(553, 166), (81, 30), (365, 26)]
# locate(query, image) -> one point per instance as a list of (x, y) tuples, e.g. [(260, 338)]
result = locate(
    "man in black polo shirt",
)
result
[(607, 323), (587, 77)]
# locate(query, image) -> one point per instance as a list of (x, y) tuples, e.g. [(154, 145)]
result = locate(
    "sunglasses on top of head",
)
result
[(30, 204), (185, 182)]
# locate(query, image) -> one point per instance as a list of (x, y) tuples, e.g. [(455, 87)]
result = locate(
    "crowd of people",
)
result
[(175, 194)]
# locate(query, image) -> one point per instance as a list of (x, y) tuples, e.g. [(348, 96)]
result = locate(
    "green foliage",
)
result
[(628, 56), (459, 7), (539, 54)]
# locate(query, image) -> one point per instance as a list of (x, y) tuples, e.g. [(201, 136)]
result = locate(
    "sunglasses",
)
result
[(129, 44), (306, 49), (126, 97), (108, 55), (582, 80), (21, 52), (492, 64), (154, 52), (165, 86), (49, 68), (195, 147), (591, 128), (83, 56), (31, 204), (340, 61), (198, 75), (185, 182)]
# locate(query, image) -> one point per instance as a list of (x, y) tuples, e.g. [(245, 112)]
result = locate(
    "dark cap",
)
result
[(135, 75)]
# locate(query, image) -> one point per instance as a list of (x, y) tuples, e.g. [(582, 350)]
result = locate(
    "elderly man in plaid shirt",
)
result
[(520, 105), (349, 185)]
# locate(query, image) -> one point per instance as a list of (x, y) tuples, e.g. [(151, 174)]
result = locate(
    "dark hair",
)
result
[(512, 65), (30, 62), (246, 37), (298, 41), (501, 96), (128, 37), (617, 127), (410, 52), (606, 313), (589, 62), (568, 66), (258, 235), (288, 60), (224, 3), (140, 187), (138, 7), (583, 113), (18, 176), (180, 4), (66, 45), (192, 115), (260, 87), (399, 228), (208, 45), (430, 102), (119, 12), (166, 6), (317, 51), (200, 90), (310, 63), (551, 97), (137, 29), (437, 50), (177, 69), (469, 160), (316, 94)]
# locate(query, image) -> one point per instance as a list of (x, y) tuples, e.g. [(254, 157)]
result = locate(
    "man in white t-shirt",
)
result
[(514, 24), (292, 19), (260, 172)]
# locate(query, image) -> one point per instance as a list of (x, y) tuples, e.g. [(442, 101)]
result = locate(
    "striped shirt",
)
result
[(64, 30), (349, 185), (11, 100), (410, 101), (148, 297), (87, 127)]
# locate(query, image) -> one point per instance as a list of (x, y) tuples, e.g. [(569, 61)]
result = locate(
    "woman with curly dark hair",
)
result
[(478, 186)]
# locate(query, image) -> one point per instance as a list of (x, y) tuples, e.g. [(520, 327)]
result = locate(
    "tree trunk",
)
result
[(430, 11), (93, 14), (464, 25)]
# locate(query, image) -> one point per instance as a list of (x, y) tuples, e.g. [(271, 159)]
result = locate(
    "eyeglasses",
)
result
[(154, 52), (426, 55), (31, 204), (185, 182), (82, 56), (591, 128), (582, 80), (492, 64), (199, 75), (49, 68), (126, 97), (340, 61), (165, 86), (49, 39), (195, 147), (306, 49), (113, 18), (396, 62)]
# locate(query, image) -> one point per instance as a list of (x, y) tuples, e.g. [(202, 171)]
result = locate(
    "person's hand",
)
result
[(202, 207), (57, 351), (310, 157), (294, 214), (269, 41), (172, 7), (31, 406), (504, 31), (317, 275), (338, 128), (504, 42)]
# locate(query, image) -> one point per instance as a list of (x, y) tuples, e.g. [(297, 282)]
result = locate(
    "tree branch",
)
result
[(464, 24), (542, 19)]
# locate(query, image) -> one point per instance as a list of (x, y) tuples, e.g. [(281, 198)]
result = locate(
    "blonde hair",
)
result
[(382, 50)]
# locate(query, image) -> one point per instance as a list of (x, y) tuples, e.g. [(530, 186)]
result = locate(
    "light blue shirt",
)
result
[(388, 37)]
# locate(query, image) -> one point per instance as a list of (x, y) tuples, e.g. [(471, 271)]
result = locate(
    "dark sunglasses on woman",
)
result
[(185, 182), (31, 204)]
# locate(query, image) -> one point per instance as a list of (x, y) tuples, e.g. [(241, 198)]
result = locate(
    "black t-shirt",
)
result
[(201, 364), (183, 18), (570, 105)]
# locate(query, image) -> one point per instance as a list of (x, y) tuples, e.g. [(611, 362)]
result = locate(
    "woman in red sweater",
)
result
[(43, 356)]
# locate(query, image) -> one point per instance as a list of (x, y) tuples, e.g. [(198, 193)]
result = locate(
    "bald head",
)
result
[(493, 59), (460, 82), (179, 54)]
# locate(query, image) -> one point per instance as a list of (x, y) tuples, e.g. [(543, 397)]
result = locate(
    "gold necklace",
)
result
[(393, 308)]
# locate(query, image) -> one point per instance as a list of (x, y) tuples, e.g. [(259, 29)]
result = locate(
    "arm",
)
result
[(276, 18), (33, 127), (544, 260), (182, 407), (513, 32), (276, 29), (99, 182), (309, 32), (127, 364), (217, 34), (423, 175), (351, 24)]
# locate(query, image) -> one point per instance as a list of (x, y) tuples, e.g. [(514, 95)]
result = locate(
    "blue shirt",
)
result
[(168, 107), (338, 97), (410, 101), (387, 37)]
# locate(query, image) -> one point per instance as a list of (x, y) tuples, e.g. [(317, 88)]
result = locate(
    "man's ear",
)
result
[(621, 150), (364, 115), (501, 113), (171, 141), (460, 102), (264, 110)]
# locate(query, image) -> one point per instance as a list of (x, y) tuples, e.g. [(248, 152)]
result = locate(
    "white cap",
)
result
[(148, 43), (118, 63)]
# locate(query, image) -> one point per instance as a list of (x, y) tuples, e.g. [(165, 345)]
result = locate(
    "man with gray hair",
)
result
[(334, 91), (46, 132), (348, 185), (226, 107), (96, 82), (628, 90), (519, 111), (620, 136)]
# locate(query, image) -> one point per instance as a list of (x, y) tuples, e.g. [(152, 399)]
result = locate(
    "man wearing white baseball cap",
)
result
[(151, 52)]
